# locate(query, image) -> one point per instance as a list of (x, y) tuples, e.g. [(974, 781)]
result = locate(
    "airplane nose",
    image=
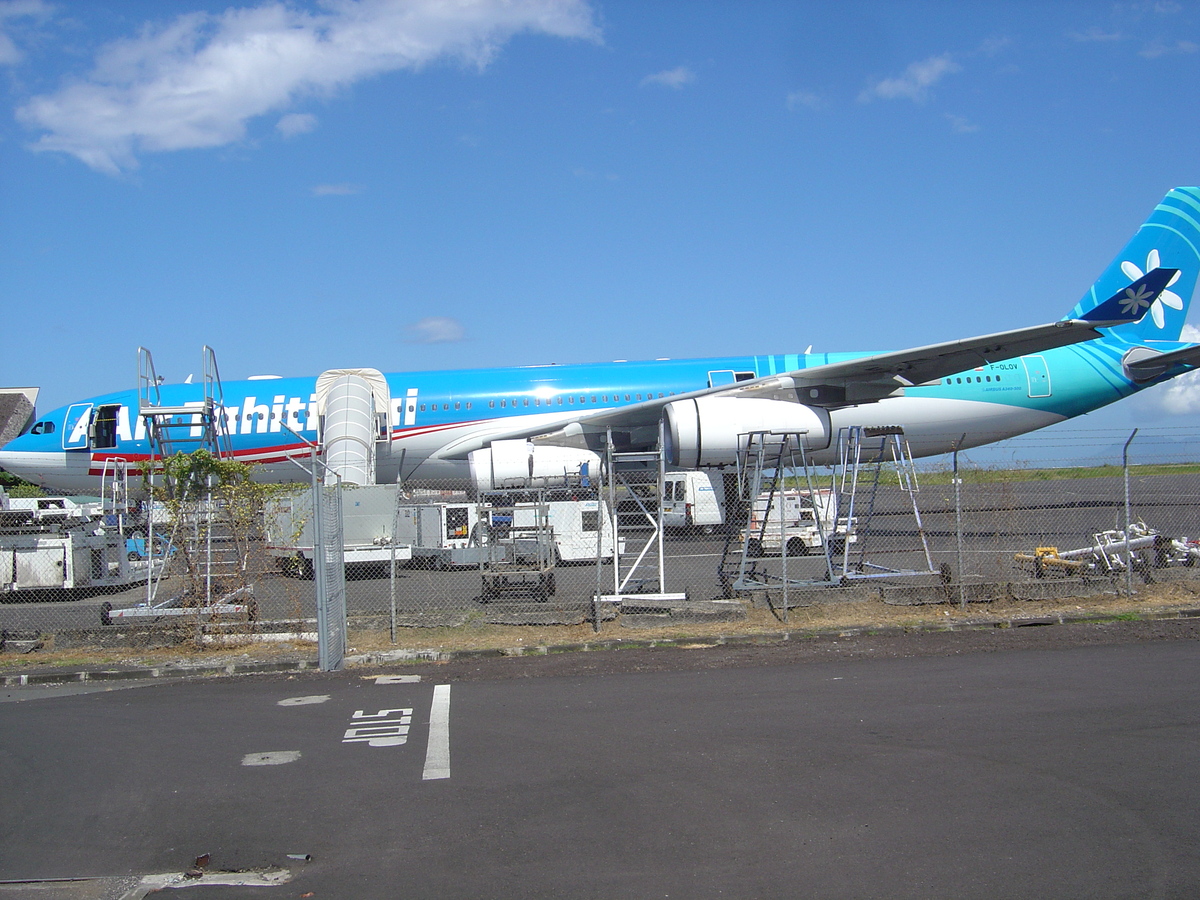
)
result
[(66, 472)]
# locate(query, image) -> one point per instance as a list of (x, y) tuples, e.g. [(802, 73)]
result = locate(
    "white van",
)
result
[(693, 500)]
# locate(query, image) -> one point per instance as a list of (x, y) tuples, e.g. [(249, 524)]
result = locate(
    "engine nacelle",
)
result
[(522, 464), (704, 431)]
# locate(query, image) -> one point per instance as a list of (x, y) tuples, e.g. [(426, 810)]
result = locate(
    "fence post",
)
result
[(392, 589), (958, 531), (1128, 552)]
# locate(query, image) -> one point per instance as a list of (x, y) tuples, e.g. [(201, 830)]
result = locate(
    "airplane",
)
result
[(479, 429)]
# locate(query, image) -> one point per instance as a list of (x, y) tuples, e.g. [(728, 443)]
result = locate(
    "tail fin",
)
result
[(1170, 238)]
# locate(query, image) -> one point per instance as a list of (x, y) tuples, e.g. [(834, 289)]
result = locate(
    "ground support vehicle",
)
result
[(55, 542), (369, 516), (1111, 553), (808, 518), (580, 526), (441, 535)]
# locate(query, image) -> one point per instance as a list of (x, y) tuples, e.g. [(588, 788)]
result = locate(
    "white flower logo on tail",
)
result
[(1169, 298)]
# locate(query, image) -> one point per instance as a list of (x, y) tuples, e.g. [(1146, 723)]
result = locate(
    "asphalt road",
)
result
[(1056, 762)]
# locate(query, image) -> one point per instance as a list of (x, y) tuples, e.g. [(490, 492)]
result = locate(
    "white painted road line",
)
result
[(437, 756)]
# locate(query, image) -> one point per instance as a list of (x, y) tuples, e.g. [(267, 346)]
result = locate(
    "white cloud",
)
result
[(1095, 34), (336, 190), (436, 330), (10, 53), (296, 123), (1181, 395), (197, 80), (672, 78), (804, 100), (916, 81), (962, 125), (994, 46), (1155, 49)]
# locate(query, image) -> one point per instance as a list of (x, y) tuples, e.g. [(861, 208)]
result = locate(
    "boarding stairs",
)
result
[(771, 467), (197, 425), (203, 534)]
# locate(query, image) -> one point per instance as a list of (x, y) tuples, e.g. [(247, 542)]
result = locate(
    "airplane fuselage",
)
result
[(271, 420)]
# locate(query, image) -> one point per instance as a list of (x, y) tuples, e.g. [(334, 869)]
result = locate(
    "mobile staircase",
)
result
[(203, 534), (772, 466), (878, 449)]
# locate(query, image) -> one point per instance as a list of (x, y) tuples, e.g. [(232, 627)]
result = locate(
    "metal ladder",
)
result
[(204, 531), (640, 570), (858, 448), (766, 462), (192, 426)]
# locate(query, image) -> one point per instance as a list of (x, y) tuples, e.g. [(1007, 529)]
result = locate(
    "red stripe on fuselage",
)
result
[(277, 453)]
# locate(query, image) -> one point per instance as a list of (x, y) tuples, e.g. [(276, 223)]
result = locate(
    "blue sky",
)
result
[(418, 185)]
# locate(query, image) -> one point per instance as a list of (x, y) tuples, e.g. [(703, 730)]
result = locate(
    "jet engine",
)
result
[(522, 464), (704, 431)]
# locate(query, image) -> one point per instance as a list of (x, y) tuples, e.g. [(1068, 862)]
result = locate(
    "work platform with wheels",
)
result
[(634, 482), (794, 510)]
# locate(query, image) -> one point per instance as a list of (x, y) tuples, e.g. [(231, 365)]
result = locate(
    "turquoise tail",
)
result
[(1170, 238)]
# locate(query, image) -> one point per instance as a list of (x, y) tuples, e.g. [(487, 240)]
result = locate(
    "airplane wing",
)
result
[(866, 379)]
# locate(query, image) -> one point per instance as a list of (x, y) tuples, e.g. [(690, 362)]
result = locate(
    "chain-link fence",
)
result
[(983, 527)]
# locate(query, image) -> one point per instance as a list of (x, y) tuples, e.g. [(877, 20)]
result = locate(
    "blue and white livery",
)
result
[(474, 427)]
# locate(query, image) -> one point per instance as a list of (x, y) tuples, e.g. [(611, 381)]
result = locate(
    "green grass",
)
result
[(887, 475), (989, 476)]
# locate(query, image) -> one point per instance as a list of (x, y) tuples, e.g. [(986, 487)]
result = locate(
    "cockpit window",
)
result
[(43, 427)]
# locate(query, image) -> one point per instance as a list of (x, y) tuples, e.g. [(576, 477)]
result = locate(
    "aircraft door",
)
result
[(1037, 375), (728, 376), (75, 426), (720, 376), (104, 427)]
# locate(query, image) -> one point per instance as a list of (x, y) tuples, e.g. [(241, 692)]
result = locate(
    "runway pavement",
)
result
[(1023, 771)]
